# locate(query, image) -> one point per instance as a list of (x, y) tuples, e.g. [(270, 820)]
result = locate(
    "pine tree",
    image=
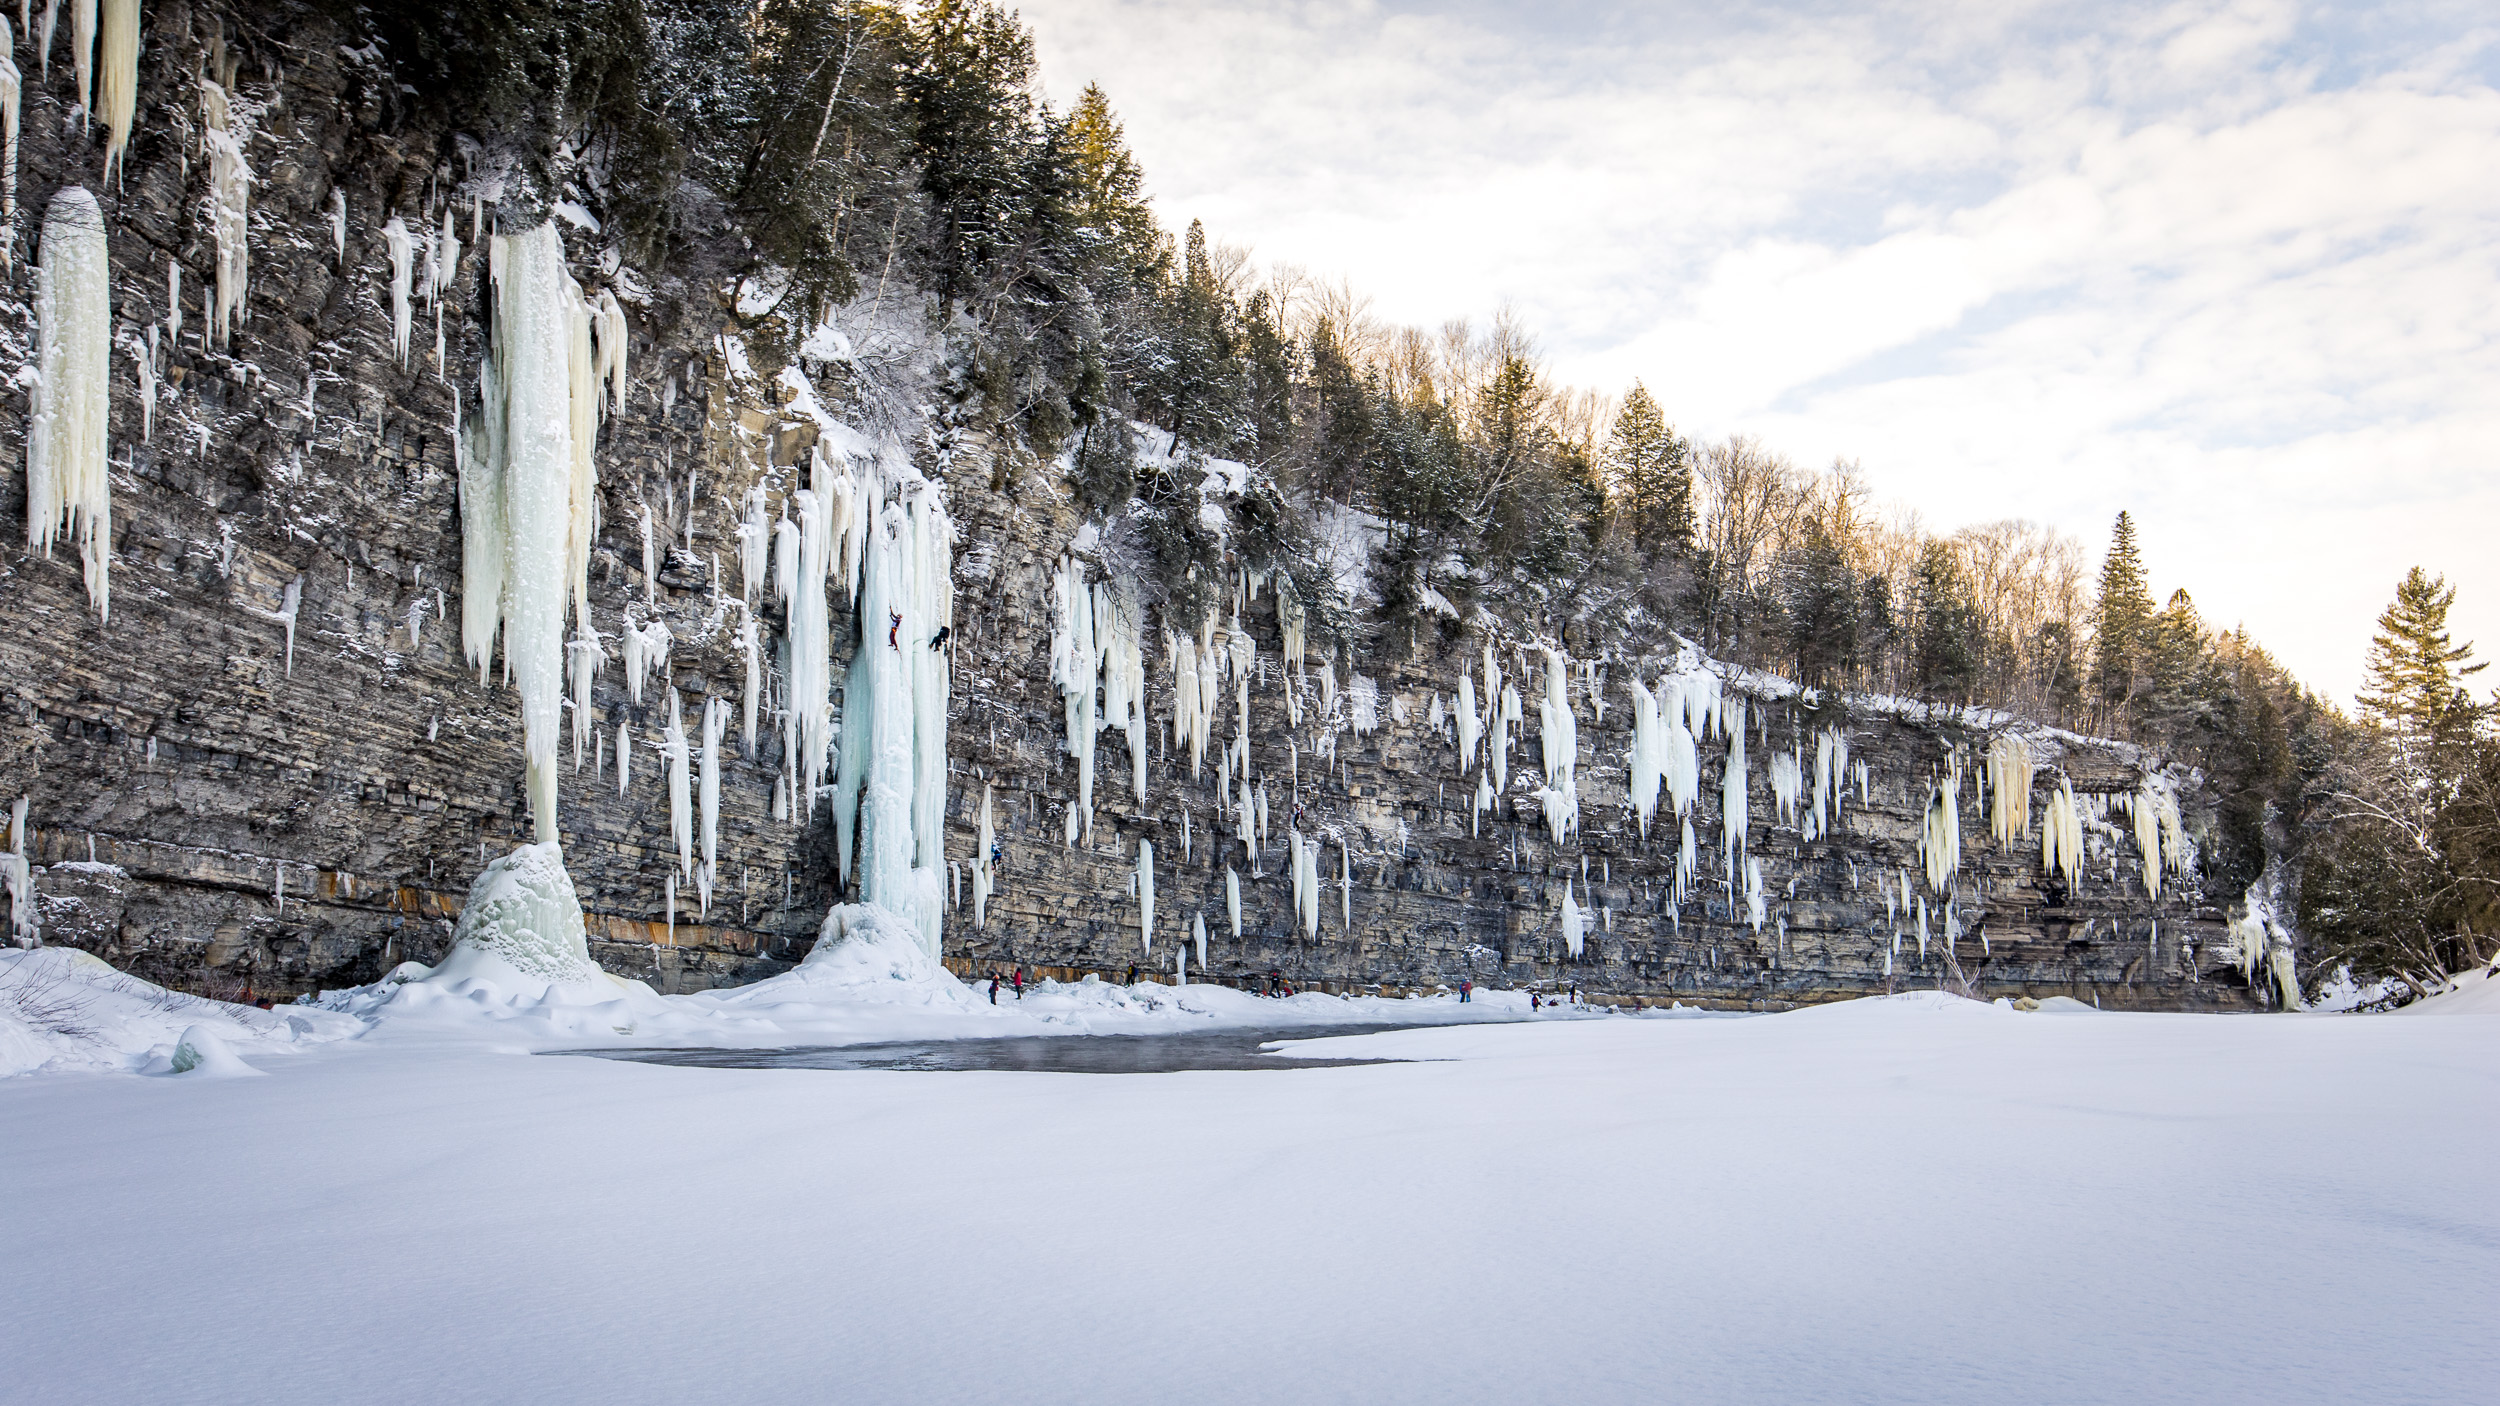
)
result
[(1111, 201), (2414, 679), (1945, 648), (2120, 620), (1647, 469)]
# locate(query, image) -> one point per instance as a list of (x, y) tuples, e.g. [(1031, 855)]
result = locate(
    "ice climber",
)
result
[(894, 630)]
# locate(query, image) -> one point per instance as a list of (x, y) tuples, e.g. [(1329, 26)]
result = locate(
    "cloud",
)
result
[(2235, 266)]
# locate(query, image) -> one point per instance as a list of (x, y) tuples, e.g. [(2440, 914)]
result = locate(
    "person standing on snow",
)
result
[(1466, 992), (993, 988)]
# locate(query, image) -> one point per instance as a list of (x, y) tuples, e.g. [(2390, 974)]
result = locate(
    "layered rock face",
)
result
[(205, 815)]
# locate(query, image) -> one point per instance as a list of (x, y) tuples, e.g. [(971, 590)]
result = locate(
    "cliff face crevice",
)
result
[(209, 817)]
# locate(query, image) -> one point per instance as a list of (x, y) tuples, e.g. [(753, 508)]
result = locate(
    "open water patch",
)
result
[(1227, 1049)]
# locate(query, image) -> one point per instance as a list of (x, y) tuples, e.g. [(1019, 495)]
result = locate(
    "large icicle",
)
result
[(1075, 662), (894, 713), (12, 95), (1647, 759), (680, 759), (2061, 836), (229, 185), (1232, 900), (403, 251), (1734, 800), (583, 658), (117, 74), (1574, 925), (707, 797), (808, 724), (2009, 778), (981, 874), (68, 488), (1940, 833), (1146, 893), (1558, 738), (528, 429)]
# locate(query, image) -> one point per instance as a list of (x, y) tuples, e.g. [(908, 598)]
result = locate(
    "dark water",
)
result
[(1042, 1054)]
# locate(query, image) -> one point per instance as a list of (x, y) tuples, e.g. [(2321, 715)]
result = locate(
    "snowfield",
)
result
[(1914, 1199)]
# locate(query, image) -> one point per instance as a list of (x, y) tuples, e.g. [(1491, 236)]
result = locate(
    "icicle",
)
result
[(1735, 806), (583, 658), (650, 558), (646, 653), (1146, 893), (1574, 925), (1345, 882), (614, 338), (338, 223), (981, 875), (403, 266), (2009, 772), (680, 760), (715, 721), (69, 491), (1198, 933), (1787, 783), (1558, 740), (750, 649), (12, 85), (82, 25), (1232, 900), (229, 183), (2061, 837), (1755, 898), (1940, 834)]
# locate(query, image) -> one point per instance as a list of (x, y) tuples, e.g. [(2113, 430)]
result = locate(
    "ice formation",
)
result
[(624, 758), (582, 659), (1232, 899), (1146, 893), (1198, 934), (1363, 705), (1118, 624), (68, 489), (117, 73), (1756, 900), (1574, 923), (524, 511), (894, 697), (750, 695), (403, 268), (1305, 881), (2157, 834), (1940, 833), (1647, 761), (1074, 662), (1558, 737), (755, 539), (1469, 724), (17, 876), (522, 917), (981, 875), (1787, 783), (1345, 883), (2009, 777), (707, 797), (680, 759), (1505, 723), (2061, 836), (12, 95), (229, 185), (1831, 770), (646, 653)]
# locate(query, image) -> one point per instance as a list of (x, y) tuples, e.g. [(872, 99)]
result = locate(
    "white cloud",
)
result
[(2235, 266)]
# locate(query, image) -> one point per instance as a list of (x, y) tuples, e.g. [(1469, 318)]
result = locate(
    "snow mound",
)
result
[(204, 1052), (864, 955), (63, 1010), (2475, 993), (1899, 1004), (522, 927)]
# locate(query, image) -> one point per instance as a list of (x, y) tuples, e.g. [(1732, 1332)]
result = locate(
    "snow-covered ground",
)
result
[(1913, 1199)]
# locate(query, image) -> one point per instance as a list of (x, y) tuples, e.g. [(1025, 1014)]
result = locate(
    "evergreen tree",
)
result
[(1649, 470), (970, 96), (1946, 644), (2121, 617), (2414, 685), (1111, 203)]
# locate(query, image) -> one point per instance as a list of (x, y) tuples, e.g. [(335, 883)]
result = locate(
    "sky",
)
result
[(2229, 266)]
